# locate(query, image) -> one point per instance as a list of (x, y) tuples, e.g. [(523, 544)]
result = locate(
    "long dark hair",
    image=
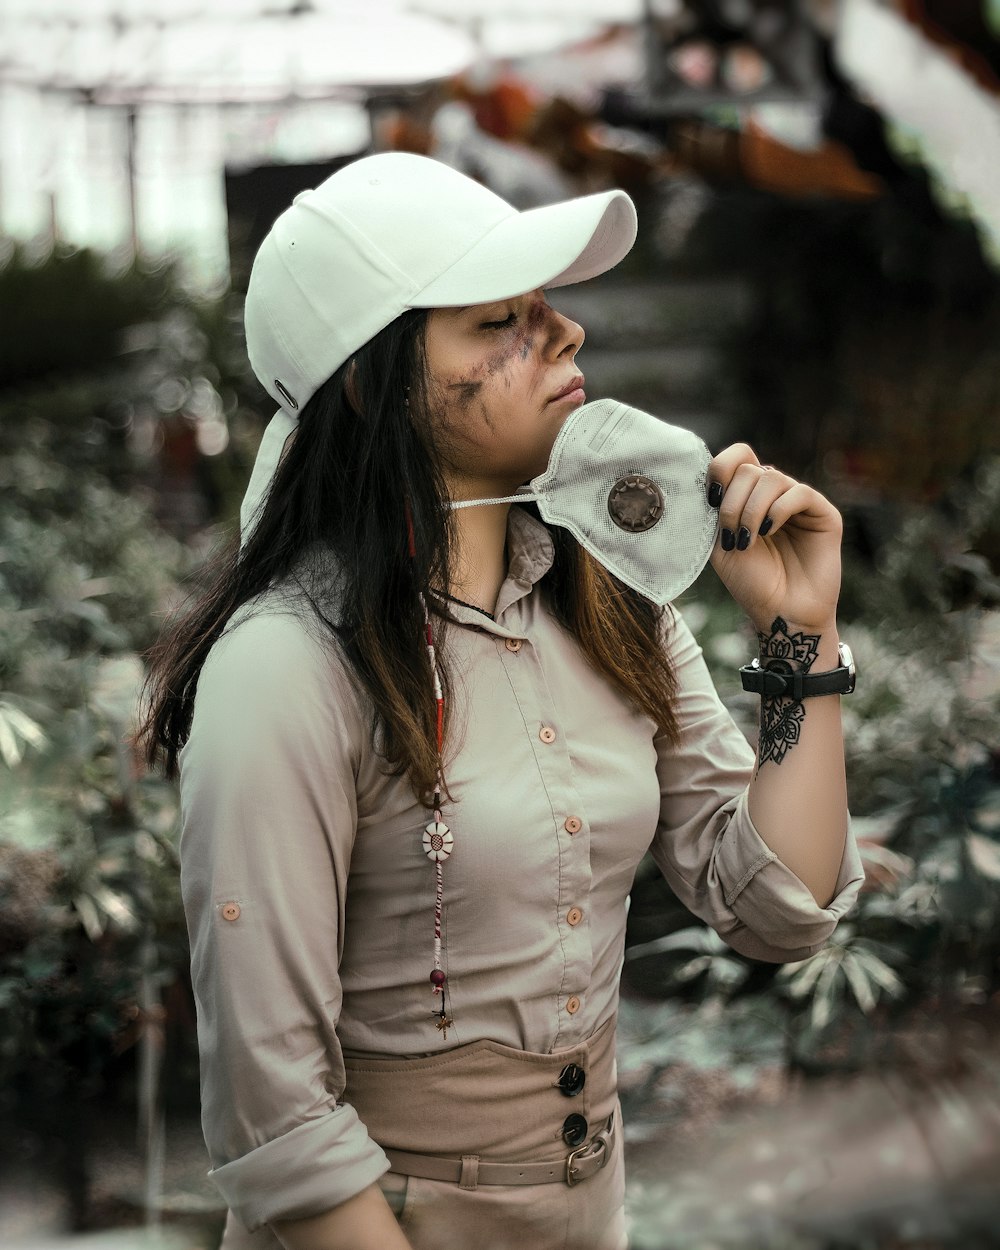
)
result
[(364, 450)]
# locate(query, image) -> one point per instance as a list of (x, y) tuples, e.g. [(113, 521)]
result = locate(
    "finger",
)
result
[(756, 518), (748, 481), (807, 507), (722, 468)]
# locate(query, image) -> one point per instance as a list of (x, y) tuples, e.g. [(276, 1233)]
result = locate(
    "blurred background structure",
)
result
[(817, 273)]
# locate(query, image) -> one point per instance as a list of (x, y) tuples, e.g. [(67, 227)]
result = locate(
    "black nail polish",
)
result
[(765, 526), (728, 540), (743, 539), (715, 494)]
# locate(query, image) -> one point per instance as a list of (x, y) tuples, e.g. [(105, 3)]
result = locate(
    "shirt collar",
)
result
[(530, 549), (530, 554)]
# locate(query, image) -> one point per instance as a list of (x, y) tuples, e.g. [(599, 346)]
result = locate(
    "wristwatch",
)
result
[(779, 680)]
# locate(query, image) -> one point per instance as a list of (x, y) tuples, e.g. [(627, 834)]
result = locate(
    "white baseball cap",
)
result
[(390, 232)]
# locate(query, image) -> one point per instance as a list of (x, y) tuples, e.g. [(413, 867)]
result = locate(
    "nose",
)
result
[(568, 339)]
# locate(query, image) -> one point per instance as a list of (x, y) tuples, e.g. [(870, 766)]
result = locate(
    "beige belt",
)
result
[(470, 1171)]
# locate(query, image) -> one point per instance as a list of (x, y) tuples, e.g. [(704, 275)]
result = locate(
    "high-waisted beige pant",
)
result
[(502, 1104), (437, 1215)]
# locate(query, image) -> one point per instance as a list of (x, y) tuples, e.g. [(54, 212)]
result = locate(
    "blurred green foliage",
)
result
[(909, 983), (89, 899), (62, 316), (923, 766)]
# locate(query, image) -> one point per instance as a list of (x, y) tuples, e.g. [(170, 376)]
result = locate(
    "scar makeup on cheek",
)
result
[(465, 391), (532, 324), (520, 339), (517, 342)]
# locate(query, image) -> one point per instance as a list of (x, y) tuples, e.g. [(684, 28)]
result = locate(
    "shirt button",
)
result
[(513, 644), (547, 733), (230, 911), (573, 1005), (574, 916), (572, 824)]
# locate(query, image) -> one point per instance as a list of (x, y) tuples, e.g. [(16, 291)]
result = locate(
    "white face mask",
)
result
[(633, 491)]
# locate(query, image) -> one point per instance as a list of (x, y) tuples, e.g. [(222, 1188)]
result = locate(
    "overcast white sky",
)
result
[(60, 158)]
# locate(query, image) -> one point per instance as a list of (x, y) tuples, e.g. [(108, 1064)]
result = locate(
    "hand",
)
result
[(793, 570), (364, 1222)]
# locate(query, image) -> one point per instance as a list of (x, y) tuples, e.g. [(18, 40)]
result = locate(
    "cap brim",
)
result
[(549, 246)]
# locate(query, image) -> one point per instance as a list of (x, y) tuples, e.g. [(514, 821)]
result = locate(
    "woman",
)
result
[(422, 750)]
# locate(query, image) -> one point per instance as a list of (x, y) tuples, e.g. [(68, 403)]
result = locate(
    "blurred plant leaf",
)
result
[(848, 964), (115, 691), (17, 728), (985, 855), (695, 938), (90, 916)]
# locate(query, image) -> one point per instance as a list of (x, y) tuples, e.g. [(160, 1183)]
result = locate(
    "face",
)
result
[(493, 370)]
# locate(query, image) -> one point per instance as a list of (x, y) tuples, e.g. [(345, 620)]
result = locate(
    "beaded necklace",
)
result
[(454, 599), (438, 841)]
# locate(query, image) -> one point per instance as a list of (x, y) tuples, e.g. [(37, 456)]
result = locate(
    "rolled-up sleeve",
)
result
[(706, 845), (268, 818)]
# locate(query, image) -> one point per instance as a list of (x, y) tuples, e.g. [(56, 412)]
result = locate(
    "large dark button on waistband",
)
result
[(572, 1079), (574, 1130)]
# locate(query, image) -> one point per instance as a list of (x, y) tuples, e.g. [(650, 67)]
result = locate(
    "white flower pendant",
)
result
[(438, 841)]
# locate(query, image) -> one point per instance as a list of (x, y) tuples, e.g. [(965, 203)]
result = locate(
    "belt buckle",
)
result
[(571, 1159), (586, 1150)]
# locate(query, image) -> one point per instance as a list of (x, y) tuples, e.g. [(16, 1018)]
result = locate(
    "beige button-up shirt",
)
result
[(309, 898)]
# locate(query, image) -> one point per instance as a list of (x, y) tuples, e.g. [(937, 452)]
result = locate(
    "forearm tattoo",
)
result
[(781, 718)]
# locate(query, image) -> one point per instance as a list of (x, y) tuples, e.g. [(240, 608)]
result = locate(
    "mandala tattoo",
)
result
[(781, 718), (780, 724)]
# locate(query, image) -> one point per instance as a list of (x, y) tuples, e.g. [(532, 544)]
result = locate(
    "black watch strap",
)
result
[(779, 680)]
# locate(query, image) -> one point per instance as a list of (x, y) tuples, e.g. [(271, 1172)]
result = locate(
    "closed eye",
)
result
[(509, 320)]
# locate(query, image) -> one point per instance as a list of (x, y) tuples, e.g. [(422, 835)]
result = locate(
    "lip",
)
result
[(572, 390)]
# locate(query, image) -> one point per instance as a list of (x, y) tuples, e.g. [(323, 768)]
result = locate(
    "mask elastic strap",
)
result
[(527, 494)]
